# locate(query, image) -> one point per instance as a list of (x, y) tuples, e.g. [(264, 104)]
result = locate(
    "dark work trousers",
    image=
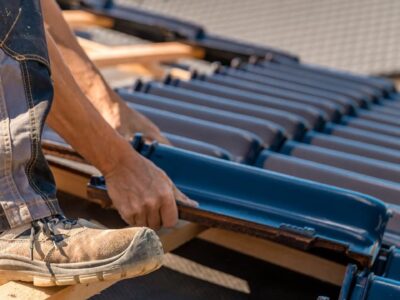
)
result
[(27, 188)]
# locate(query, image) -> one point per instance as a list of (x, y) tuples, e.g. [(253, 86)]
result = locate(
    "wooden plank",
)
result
[(397, 81), (206, 273), (145, 53), (69, 182), (80, 18), (21, 290), (278, 254), (182, 233), (180, 74), (91, 46), (152, 70), (138, 59)]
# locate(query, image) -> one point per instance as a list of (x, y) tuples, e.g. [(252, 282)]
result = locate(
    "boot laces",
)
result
[(49, 226)]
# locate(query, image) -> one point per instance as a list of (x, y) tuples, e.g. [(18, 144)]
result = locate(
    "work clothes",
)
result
[(27, 188)]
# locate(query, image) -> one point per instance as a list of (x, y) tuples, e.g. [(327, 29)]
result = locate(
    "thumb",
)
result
[(183, 198)]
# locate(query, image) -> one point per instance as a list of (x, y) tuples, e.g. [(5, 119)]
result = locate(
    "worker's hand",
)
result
[(128, 122), (142, 193)]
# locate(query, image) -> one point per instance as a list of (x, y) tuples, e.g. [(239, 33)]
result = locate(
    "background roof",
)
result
[(356, 35)]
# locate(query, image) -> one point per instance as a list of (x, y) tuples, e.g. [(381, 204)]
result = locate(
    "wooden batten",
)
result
[(280, 255), (180, 74), (143, 53), (90, 46), (80, 18)]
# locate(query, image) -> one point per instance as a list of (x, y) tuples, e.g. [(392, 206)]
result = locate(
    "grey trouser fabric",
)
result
[(27, 189)]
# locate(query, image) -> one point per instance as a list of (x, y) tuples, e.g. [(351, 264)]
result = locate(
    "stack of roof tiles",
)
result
[(288, 151)]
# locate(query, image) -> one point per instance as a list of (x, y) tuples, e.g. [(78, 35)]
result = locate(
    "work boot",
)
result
[(59, 251)]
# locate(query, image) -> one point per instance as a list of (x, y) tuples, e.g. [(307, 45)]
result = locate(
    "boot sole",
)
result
[(144, 255)]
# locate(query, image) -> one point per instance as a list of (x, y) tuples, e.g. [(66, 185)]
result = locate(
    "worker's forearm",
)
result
[(113, 109), (141, 192), (90, 80), (77, 121)]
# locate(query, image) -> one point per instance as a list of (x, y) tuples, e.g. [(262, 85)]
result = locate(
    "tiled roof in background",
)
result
[(357, 35)]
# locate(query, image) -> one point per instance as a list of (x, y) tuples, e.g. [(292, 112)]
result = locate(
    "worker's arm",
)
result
[(125, 120), (142, 193)]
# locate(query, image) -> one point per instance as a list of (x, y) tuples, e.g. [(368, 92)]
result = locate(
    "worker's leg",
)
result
[(37, 243), (27, 189)]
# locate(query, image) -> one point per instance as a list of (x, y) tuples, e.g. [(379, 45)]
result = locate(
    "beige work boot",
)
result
[(58, 251)]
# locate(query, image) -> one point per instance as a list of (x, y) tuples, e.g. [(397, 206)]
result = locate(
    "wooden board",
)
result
[(143, 53), (278, 254), (139, 59), (90, 46), (80, 18), (397, 81)]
